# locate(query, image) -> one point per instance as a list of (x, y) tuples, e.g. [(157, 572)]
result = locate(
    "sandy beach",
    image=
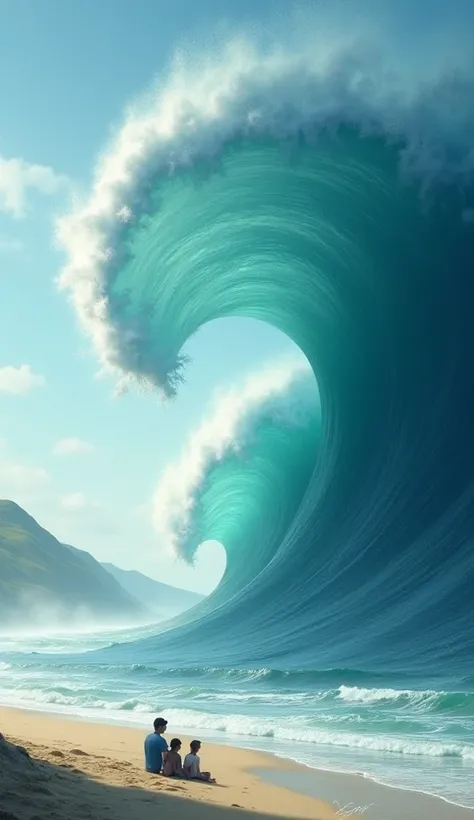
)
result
[(81, 770), (85, 771)]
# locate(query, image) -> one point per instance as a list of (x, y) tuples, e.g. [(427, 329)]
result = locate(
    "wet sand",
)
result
[(357, 796)]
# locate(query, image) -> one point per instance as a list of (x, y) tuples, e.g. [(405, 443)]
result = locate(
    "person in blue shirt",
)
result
[(156, 746)]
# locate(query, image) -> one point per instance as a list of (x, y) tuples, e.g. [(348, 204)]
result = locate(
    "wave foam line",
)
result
[(235, 724)]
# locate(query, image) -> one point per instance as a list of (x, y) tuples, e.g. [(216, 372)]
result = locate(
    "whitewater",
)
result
[(322, 184)]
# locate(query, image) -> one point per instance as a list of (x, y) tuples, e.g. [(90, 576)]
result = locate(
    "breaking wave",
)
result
[(327, 190)]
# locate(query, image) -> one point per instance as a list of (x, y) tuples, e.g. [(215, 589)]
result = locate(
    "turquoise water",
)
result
[(419, 738), (328, 191), (326, 187)]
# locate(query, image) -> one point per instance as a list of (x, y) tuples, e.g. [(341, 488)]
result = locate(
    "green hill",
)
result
[(43, 581)]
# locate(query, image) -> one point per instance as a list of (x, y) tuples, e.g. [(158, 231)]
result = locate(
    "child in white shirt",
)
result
[(192, 764)]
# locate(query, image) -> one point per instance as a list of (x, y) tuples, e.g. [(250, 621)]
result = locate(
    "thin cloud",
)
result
[(19, 178), (72, 446), (21, 478), (19, 381), (77, 502)]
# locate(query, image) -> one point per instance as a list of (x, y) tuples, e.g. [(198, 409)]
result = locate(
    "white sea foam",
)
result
[(355, 694), (286, 730)]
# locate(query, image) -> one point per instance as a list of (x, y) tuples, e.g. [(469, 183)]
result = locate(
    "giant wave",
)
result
[(329, 193)]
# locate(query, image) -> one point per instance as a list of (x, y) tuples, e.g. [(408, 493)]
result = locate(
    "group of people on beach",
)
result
[(159, 759)]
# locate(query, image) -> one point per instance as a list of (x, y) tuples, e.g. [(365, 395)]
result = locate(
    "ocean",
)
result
[(419, 737), (324, 185)]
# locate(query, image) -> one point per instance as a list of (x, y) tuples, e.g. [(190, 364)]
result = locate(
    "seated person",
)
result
[(192, 764), (156, 746), (172, 766)]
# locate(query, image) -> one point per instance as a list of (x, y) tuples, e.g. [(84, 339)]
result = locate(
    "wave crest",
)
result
[(244, 93), (243, 473)]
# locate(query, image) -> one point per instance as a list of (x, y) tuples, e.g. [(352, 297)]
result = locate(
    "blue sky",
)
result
[(82, 463)]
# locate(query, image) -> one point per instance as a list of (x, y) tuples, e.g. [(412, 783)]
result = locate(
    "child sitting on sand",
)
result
[(172, 766), (192, 764)]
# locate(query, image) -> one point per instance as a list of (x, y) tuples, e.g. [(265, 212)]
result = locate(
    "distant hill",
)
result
[(161, 599), (43, 581)]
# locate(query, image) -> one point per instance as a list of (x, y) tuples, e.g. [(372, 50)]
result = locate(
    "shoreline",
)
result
[(212, 738), (373, 779), (381, 802), (256, 781)]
